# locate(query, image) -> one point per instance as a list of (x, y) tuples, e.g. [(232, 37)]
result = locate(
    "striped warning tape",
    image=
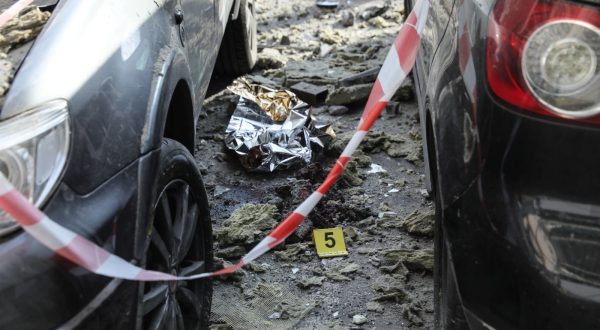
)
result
[(90, 256)]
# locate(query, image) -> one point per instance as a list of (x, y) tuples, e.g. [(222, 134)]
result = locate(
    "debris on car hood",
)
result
[(272, 129), (13, 35)]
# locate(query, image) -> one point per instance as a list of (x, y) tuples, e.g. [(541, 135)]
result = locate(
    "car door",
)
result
[(435, 26), (199, 35)]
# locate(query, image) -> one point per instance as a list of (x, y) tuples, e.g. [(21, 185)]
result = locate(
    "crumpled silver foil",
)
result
[(273, 129)]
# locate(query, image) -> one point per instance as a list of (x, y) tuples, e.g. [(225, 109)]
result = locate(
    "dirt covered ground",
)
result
[(386, 281)]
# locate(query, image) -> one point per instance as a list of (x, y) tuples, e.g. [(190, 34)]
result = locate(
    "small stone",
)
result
[(373, 306), (337, 110), (373, 11), (350, 268), (231, 252), (285, 41), (359, 319), (203, 169), (254, 267), (311, 281), (376, 169), (364, 250), (351, 233), (347, 18), (349, 94), (392, 288), (413, 260), (275, 316), (331, 37), (221, 157), (337, 276), (325, 49), (336, 315), (270, 58), (379, 22), (220, 190)]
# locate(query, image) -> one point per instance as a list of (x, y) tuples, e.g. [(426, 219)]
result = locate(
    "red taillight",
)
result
[(544, 56)]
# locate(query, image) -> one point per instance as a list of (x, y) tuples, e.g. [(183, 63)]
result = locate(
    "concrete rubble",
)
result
[(248, 224), (386, 281), (15, 40)]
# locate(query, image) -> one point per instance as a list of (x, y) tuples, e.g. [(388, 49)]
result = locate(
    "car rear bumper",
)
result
[(40, 290), (525, 235)]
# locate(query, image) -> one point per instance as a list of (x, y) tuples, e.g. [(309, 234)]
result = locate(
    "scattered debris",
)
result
[(365, 77), (352, 57), (295, 252), (373, 11), (311, 281), (373, 306), (337, 110), (416, 260), (349, 94), (392, 288), (220, 190), (376, 169), (359, 319), (419, 223), (232, 252), (347, 18), (411, 313), (270, 58), (247, 224), (309, 93), (332, 37), (22, 28)]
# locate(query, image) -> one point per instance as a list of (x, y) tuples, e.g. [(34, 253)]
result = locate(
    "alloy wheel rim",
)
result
[(175, 247)]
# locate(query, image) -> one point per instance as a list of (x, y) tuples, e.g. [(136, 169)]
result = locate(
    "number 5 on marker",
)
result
[(330, 242)]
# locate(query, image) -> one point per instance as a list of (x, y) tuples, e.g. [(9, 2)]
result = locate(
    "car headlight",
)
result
[(33, 152)]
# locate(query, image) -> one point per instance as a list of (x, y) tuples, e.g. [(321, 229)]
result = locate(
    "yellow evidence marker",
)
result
[(330, 242)]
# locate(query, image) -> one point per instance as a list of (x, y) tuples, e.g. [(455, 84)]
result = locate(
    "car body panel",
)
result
[(117, 63), (498, 167), (40, 290)]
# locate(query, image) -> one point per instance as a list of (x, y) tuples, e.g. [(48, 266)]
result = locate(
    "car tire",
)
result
[(238, 52), (179, 242)]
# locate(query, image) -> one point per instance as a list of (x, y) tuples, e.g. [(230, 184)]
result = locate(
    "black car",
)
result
[(509, 98), (98, 130)]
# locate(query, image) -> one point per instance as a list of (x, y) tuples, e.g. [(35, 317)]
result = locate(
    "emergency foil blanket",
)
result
[(273, 129)]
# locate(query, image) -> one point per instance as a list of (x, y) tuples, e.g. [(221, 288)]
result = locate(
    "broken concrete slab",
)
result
[(309, 93), (415, 260), (419, 223), (349, 94), (392, 288)]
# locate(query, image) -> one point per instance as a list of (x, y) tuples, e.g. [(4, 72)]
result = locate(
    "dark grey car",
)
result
[(98, 129)]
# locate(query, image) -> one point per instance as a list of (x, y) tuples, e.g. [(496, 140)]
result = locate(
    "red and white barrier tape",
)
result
[(90, 256)]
